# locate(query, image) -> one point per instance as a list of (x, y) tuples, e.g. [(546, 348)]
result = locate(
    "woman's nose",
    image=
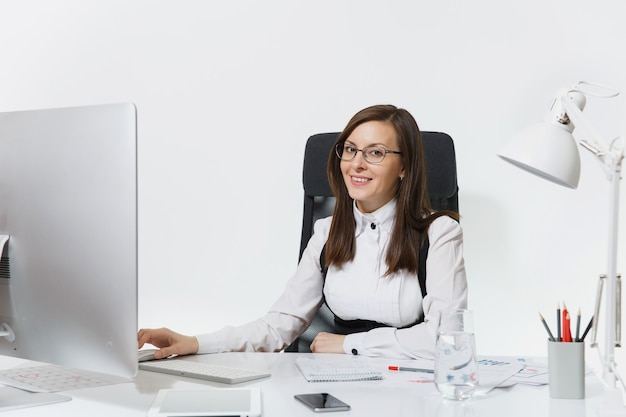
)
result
[(359, 159)]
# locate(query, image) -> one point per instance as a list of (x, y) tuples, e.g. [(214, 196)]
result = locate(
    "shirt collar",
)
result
[(383, 217)]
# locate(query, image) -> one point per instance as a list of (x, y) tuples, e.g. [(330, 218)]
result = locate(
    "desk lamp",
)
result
[(549, 150)]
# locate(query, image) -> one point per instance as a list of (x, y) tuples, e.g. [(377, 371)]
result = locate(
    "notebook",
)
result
[(316, 370)]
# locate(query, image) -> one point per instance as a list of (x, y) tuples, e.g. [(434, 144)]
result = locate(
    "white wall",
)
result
[(228, 92)]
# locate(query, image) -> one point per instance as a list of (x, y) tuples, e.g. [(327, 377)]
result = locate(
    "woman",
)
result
[(382, 218)]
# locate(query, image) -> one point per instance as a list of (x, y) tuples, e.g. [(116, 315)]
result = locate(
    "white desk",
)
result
[(393, 396)]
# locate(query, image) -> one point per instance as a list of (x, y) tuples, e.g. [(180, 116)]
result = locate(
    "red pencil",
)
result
[(567, 332)]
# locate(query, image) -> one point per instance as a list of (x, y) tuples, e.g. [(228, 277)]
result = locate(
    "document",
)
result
[(498, 371)]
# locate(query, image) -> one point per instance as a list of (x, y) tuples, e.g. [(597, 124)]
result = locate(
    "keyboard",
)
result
[(54, 378), (202, 370)]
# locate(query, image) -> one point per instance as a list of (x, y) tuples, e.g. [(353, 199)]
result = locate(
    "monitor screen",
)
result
[(68, 220)]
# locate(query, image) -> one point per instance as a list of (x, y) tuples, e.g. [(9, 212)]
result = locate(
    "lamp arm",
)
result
[(610, 156), (613, 306), (577, 117)]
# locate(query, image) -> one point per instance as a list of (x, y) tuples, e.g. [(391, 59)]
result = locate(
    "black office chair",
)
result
[(319, 200)]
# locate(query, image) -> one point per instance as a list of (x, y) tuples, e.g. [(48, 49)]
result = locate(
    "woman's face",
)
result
[(372, 185)]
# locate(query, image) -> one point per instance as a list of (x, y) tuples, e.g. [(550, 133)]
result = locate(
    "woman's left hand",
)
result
[(328, 343)]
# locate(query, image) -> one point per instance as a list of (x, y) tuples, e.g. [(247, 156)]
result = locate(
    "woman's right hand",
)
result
[(168, 342)]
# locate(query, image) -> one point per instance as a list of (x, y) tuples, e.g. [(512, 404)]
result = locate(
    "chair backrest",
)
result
[(319, 201)]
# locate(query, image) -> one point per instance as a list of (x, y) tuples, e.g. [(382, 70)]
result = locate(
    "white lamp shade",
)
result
[(547, 150)]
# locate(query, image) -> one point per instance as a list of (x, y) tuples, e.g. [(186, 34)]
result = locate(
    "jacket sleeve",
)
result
[(290, 315)]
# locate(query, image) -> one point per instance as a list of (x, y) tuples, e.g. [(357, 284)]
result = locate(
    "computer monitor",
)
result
[(68, 216)]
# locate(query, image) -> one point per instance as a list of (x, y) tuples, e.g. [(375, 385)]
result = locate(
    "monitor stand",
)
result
[(14, 398)]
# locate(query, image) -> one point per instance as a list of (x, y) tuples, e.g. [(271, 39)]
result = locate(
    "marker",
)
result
[(403, 368)]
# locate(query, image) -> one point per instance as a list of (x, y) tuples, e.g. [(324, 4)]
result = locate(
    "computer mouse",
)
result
[(146, 355)]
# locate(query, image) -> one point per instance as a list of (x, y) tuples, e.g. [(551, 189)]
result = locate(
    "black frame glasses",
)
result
[(373, 154)]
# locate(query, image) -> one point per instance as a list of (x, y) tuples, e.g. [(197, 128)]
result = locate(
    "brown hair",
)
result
[(413, 210)]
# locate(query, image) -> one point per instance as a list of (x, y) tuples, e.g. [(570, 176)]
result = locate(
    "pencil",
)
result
[(558, 323), (587, 329), (567, 331), (404, 368), (547, 328), (578, 327)]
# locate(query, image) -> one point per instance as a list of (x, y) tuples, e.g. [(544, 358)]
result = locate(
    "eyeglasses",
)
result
[(373, 154)]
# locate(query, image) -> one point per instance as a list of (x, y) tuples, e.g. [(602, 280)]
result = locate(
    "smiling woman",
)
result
[(400, 177), (382, 230)]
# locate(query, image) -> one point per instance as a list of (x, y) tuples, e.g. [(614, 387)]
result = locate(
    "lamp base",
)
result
[(612, 404)]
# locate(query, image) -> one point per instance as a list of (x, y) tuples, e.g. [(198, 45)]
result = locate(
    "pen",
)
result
[(578, 327), (403, 368), (547, 328)]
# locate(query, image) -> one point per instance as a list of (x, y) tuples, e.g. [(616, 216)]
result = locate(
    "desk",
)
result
[(393, 396)]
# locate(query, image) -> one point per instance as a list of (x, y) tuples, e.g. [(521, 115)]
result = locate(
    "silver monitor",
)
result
[(68, 216)]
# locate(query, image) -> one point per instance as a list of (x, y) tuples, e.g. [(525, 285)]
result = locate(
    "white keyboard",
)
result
[(53, 378), (201, 370)]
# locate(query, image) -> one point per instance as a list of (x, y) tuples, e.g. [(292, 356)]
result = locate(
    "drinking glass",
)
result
[(456, 374)]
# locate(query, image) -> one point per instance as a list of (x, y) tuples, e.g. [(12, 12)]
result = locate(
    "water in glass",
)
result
[(455, 358)]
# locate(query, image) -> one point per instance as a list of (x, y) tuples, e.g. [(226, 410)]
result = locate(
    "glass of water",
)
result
[(456, 374)]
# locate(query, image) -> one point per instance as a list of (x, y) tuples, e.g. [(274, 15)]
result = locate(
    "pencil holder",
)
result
[(566, 369)]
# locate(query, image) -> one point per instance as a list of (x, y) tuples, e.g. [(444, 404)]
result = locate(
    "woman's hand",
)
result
[(168, 342), (328, 343)]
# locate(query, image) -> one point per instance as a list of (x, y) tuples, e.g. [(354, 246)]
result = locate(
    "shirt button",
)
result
[(355, 352), (373, 226)]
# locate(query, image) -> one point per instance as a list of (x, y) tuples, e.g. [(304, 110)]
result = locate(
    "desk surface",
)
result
[(395, 395)]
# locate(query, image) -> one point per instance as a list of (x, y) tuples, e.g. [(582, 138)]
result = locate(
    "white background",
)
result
[(228, 92)]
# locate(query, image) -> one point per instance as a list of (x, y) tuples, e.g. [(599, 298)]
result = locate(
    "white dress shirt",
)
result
[(359, 290)]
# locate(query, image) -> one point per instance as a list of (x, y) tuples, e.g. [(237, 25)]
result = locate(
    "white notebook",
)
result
[(317, 370)]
